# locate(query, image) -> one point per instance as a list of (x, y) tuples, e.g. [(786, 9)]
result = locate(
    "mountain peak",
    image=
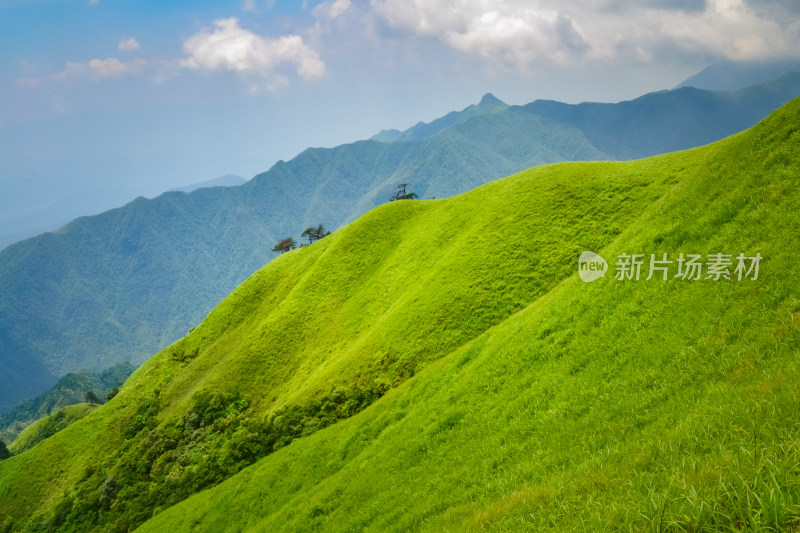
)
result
[(490, 99)]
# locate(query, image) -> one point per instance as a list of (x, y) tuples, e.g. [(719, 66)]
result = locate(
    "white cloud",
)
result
[(72, 70), (522, 33), (96, 69), (114, 68), (249, 5), (234, 49), (332, 9), (731, 29), (128, 44)]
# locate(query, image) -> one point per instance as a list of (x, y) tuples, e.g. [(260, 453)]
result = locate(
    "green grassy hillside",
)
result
[(48, 426), (438, 365), (646, 405), (126, 283)]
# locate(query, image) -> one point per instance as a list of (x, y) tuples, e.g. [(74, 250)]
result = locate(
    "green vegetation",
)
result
[(49, 425), (158, 466), (315, 234), (604, 406), (71, 389), (126, 283), (455, 373), (401, 193), (285, 245)]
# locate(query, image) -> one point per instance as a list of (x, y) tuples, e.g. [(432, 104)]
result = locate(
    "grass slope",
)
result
[(124, 284), (645, 405), (518, 396), (368, 306), (48, 426)]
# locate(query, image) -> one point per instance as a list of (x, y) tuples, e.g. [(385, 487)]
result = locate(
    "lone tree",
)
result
[(315, 234), (309, 232), (320, 232), (285, 245), (401, 193)]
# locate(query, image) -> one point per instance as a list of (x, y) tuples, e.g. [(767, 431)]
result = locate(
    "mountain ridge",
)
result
[(91, 294), (735, 75), (421, 131), (228, 180)]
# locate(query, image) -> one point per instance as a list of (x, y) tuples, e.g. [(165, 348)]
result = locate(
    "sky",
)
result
[(105, 100)]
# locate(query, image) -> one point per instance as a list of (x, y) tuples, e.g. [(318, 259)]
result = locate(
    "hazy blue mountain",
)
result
[(386, 136), (735, 75), (12, 234), (228, 180), (52, 212), (673, 120), (425, 130), (121, 285)]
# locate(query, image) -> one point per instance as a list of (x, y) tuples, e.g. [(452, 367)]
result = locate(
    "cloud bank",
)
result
[(232, 48), (523, 33), (114, 68)]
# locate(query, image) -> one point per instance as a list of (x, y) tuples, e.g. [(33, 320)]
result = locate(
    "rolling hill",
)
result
[(439, 365), (122, 285)]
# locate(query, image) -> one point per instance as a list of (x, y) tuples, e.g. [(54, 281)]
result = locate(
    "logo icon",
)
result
[(591, 266)]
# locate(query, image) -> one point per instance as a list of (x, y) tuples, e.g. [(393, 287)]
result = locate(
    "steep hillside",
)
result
[(622, 405), (439, 365), (124, 284), (49, 426)]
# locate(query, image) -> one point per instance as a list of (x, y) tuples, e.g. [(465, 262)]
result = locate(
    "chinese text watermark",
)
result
[(689, 267)]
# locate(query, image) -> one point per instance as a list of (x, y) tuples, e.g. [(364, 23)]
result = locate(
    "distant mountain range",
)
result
[(121, 285), (735, 75), (52, 215)]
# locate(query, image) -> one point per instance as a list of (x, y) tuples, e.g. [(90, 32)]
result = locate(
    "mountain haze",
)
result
[(228, 180), (735, 75), (438, 365), (669, 120), (489, 104), (123, 284)]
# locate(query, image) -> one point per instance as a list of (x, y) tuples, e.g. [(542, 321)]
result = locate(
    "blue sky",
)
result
[(104, 100)]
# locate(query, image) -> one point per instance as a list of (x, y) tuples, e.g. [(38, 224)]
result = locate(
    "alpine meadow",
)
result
[(438, 365)]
